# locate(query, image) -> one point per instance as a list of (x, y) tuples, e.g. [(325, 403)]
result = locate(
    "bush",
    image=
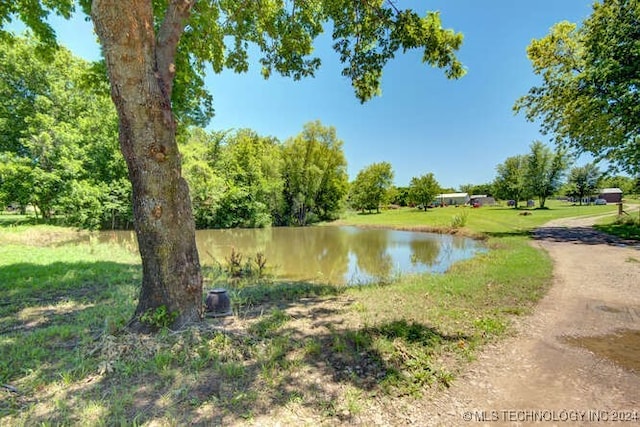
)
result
[(460, 220), (629, 220), (239, 266)]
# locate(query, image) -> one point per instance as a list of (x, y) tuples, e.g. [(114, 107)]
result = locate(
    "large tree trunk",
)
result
[(141, 69)]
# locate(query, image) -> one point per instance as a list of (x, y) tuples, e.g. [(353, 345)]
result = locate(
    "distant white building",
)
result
[(452, 199)]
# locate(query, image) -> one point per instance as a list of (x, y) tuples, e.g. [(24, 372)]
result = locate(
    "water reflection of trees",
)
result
[(124, 238), (298, 253), (424, 251), (441, 253), (370, 250), (325, 254), (215, 246), (319, 253)]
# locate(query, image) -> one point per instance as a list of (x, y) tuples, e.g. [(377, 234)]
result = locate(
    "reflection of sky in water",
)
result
[(330, 254)]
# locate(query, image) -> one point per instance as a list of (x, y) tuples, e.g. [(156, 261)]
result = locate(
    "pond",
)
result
[(331, 254)]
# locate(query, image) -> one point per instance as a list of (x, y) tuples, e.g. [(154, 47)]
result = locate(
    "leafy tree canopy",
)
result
[(510, 183), (589, 98), (58, 139), (367, 34), (583, 181), (370, 188), (423, 189), (544, 171), (627, 184), (486, 189), (314, 174)]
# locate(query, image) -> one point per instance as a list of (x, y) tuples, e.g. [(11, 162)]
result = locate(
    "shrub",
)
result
[(460, 220)]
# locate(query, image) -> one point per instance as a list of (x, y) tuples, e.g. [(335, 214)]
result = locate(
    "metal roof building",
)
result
[(611, 195), (453, 198)]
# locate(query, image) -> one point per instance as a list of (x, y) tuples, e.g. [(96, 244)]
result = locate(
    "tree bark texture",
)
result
[(140, 65)]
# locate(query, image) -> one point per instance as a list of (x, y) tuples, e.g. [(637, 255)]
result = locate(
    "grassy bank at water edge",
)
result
[(292, 351)]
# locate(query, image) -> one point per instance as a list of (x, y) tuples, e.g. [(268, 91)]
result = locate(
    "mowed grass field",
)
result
[(485, 220), (322, 353)]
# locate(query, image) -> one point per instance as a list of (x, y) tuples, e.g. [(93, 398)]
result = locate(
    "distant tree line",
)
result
[(540, 174), (543, 173), (58, 139), (59, 155), (241, 179)]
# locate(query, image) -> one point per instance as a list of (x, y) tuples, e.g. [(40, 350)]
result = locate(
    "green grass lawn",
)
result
[(68, 360), (627, 226), (487, 220)]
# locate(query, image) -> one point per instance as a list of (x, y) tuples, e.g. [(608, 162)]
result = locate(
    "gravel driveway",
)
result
[(576, 360)]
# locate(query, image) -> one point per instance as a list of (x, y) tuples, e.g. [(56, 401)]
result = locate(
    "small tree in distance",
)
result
[(423, 190), (583, 181), (544, 171), (510, 183), (371, 186)]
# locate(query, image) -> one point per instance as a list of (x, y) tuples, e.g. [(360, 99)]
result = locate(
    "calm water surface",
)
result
[(340, 255)]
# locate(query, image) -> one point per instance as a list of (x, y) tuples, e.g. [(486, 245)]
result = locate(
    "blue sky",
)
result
[(459, 130)]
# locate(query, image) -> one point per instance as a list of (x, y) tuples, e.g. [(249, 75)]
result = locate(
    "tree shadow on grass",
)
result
[(581, 235), (12, 220), (47, 311), (628, 232), (252, 300), (297, 350), (29, 285), (363, 213), (307, 358), (389, 354)]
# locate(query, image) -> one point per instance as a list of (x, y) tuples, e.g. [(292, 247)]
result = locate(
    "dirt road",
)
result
[(576, 360)]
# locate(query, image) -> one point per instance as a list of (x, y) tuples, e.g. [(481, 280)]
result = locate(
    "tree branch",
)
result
[(169, 34), (393, 6)]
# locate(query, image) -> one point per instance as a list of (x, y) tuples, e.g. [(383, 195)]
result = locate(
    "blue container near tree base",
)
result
[(218, 303)]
